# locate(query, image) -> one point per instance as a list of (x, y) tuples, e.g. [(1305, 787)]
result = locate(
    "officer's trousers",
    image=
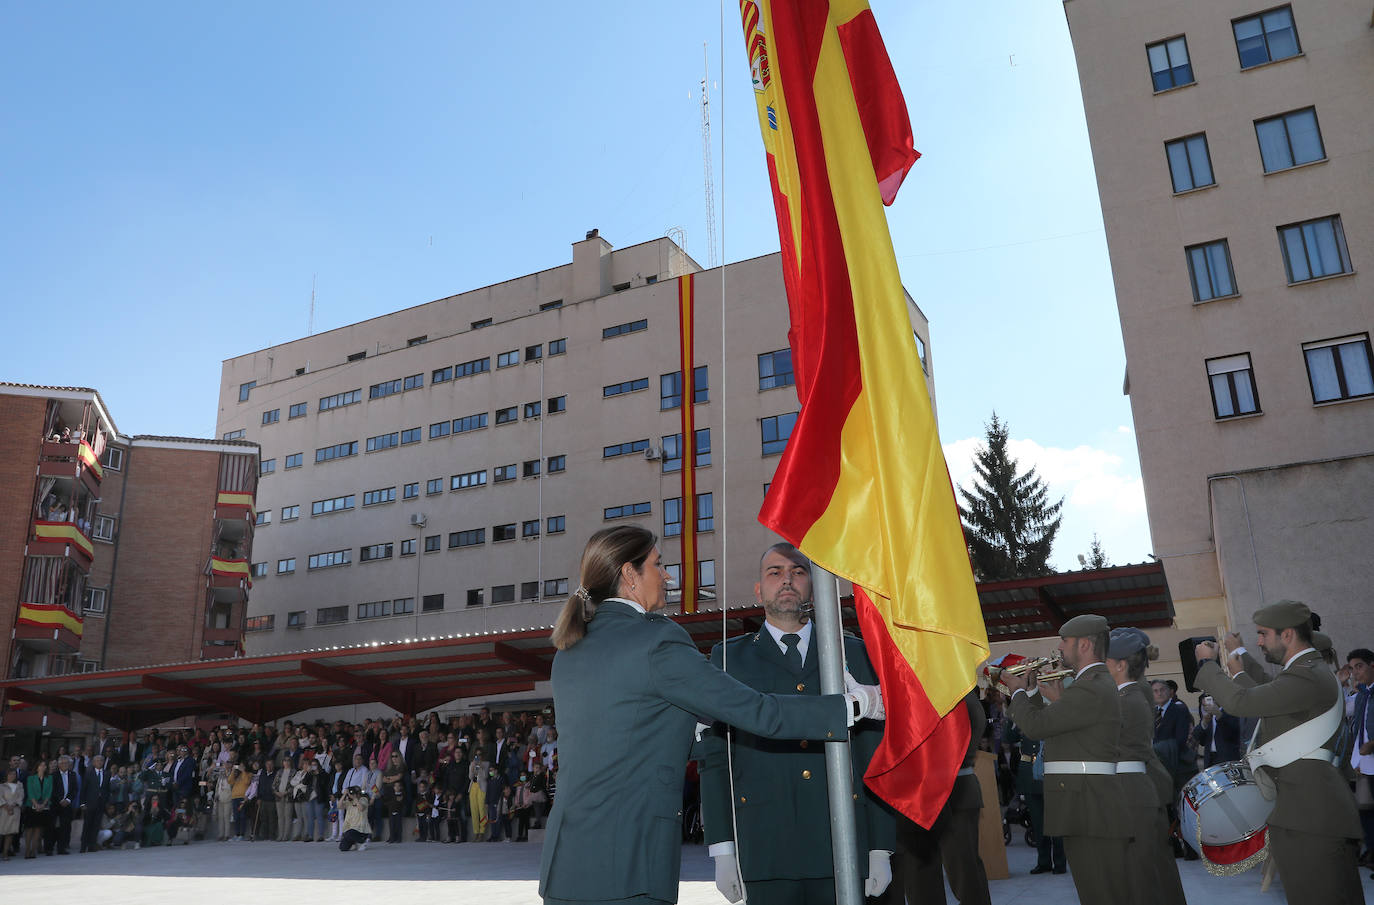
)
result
[(1098, 867), (1316, 870)]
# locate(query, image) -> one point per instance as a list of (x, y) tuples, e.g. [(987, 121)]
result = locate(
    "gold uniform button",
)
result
[(801, 686), (856, 796), (830, 735), (806, 774), (742, 799)]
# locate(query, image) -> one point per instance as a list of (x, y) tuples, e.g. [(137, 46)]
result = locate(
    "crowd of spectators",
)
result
[(475, 777)]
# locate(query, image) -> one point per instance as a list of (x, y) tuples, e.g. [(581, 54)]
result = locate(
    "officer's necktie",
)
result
[(792, 655)]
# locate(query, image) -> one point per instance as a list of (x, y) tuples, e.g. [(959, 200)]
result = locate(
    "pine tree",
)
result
[(1097, 557), (1009, 522)]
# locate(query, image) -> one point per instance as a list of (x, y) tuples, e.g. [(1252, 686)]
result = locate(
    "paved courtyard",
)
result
[(499, 873)]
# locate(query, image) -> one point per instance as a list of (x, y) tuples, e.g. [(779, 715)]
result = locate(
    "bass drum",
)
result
[(1223, 814)]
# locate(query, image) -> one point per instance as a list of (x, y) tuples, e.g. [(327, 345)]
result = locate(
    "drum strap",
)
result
[(1302, 741)]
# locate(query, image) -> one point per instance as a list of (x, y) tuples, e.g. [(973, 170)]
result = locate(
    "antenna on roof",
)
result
[(706, 160), (311, 331)]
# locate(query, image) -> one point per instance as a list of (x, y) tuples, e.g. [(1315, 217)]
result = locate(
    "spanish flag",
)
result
[(862, 486)]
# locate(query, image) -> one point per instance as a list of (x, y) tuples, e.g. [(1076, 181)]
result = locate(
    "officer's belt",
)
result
[(965, 771), (1130, 766), (1081, 767)]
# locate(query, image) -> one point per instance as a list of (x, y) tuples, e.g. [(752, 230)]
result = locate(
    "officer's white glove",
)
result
[(879, 872), (727, 877), (870, 698)]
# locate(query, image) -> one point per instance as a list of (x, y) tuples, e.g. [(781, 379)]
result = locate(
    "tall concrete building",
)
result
[(1234, 147), (438, 469)]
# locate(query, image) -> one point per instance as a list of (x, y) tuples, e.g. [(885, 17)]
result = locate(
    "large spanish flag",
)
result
[(862, 486)]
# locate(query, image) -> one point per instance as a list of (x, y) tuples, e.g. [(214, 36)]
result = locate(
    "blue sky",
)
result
[(176, 174)]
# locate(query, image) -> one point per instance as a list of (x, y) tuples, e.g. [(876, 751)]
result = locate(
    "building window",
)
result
[(558, 463), (470, 423), (535, 352), (263, 518), (386, 388), (533, 409), (260, 623), (1209, 267), (113, 458), (235, 435), (556, 524), (474, 538), (298, 410), (506, 359), (921, 352), (503, 532), (432, 543), (337, 451), (1190, 162), (410, 435), (272, 416), (1339, 368), (358, 356), (417, 340), (1290, 140), (336, 504), (470, 479), (506, 415), (331, 559), (410, 491), (374, 610), (627, 510), (620, 287), (440, 429), (551, 306), (441, 375), (775, 430), (383, 441), (1233, 386), (433, 486), (624, 449), (479, 324), (374, 552), (1169, 66), (558, 346), (259, 570), (295, 619), (503, 473), (502, 593), (706, 512), (93, 600), (330, 615), (267, 466), (628, 386), (476, 366), (674, 581), (558, 405), (339, 400), (414, 382), (555, 587), (402, 606), (703, 450), (670, 388), (529, 590), (1266, 37), (290, 513), (530, 468), (408, 547), (104, 528), (529, 528), (672, 453), (1313, 249), (286, 566), (706, 578), (475, 596), (672, 517), (775, 369), (385, 495), (294, 460), (245, 389), (622, 329)]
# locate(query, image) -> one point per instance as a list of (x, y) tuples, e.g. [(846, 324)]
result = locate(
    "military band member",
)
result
[(1314, 830), (1080, 727), (1145, 782)]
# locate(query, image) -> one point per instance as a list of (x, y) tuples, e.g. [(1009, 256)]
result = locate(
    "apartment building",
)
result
[(438, 469), (1233, 143), (114, 550)]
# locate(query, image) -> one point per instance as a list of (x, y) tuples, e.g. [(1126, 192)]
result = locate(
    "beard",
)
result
[(1273, 655), (785, 608)]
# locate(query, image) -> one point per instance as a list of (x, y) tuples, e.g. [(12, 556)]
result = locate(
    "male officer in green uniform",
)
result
[(1080, 729), (781, 783), (1314, 831)]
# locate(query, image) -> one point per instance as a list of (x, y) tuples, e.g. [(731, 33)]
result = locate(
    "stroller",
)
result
[(1017, 813)]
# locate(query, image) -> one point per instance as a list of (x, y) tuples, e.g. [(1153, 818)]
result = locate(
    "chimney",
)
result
[(591, 276)]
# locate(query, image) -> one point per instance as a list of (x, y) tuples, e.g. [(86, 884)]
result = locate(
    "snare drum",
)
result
[(1223, 814)]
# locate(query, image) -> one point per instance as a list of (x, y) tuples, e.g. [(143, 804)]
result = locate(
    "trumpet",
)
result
[(1045, 669)]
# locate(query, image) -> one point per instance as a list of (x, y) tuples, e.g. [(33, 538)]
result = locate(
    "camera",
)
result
[(1187, 655)]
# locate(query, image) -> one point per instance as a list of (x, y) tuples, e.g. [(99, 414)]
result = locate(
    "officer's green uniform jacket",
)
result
[(783, 783), (628, 697), (1081, 726), (1138, 725), (1311, 796)]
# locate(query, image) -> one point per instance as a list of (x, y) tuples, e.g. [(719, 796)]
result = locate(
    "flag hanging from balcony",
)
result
[(49, 615), (862, 486), (687, 447)]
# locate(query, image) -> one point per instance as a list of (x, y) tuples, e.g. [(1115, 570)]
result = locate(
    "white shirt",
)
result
[(802, 646), (629, 603)]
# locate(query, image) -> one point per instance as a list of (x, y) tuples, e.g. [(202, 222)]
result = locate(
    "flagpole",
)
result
[(839, 775)]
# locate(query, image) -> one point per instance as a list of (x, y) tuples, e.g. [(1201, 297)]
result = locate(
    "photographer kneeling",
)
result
[(356, 828)]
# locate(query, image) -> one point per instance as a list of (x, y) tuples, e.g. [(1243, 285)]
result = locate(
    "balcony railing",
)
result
[(66, 534), (48, 626), (73, 460), (229, 573)]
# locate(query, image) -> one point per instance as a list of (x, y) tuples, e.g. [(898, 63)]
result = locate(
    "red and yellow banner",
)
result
[(231, 568), (49, 615), (686, 296), (862, 486), (237, 498), (88, 456), (63, 533)]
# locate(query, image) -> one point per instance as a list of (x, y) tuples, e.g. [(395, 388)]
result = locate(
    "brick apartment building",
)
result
[(114, 551)]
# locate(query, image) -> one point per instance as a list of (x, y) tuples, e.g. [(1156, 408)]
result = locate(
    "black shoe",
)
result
[(1191, 855), (1061, 870), (1040, 869)]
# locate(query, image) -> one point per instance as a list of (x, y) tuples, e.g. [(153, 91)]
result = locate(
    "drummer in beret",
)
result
[(1314, 830)]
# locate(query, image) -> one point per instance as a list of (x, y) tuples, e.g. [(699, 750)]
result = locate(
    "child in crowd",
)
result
[(394, 807)]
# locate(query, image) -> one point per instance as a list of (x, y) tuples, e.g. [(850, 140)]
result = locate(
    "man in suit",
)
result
[(787, 779), (183, 777), (1314, 830), (426, 754), (66, 796), (1080, 726), (1218, 735), (95, 794), (1173, 724)]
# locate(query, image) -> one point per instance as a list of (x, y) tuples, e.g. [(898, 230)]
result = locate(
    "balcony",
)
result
[(230, 579), (48, 627), (61, 539), (221, 643), (72, 460), (236, 513), (32, 716)]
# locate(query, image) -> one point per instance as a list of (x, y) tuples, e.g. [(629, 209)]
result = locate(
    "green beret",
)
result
[(1125, 642), (1284, 614), (1084, 626)]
